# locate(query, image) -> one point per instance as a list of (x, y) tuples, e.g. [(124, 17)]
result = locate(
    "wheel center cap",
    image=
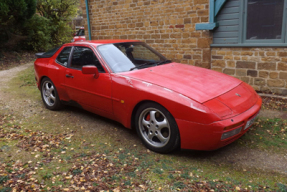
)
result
[(153, 127)]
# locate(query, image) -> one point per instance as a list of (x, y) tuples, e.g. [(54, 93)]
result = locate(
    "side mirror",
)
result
[(90, 69)]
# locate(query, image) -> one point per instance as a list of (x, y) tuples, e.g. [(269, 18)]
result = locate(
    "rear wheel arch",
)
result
[(49, 94), (41, 79)]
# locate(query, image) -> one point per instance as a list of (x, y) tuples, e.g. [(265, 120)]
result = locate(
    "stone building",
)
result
[(243, 38)]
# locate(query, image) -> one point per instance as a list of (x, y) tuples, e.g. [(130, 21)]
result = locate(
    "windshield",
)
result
[(122, 57)]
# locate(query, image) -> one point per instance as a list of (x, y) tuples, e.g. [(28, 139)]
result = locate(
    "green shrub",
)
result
[(23, 29), (38, 30)]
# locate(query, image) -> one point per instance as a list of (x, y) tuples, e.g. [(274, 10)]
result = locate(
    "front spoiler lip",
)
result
[(208, 137), (254, 111), (244, 130), (257, 105)]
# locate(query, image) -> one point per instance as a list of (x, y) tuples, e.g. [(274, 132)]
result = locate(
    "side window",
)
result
[(63, 57), (85, 56)]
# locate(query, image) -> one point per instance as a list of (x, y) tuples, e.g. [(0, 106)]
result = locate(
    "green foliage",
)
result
[(77, 171), (3, 179), (13, 16), (4, 9), (282, 187), (51, 28), (47, 176), (57, 9), (59, 13), (62, 33), (158, 171), (5, 189), (185, 175), (39, 31), (127, 182), (170, 176), (19, 23), (14, 13), (178, 185)]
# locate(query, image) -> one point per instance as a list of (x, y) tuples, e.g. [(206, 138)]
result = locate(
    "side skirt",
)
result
[(72, 103)]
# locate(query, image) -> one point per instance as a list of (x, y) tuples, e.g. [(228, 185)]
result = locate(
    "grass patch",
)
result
[(267, 134), (25, 83), (59, 151), (127, 168)]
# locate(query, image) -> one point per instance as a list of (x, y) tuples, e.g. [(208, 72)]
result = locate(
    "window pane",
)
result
[(63, 57), (264, 19), (142, 53), (122, 57), (52, 51), (85, 56), (81, 32), (116, 57)]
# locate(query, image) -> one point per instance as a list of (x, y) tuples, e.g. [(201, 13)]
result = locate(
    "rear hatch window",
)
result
[(48, 54)]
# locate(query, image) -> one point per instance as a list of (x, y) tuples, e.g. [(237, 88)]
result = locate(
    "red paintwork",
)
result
[(203, 102), (79, 38), (91, 70), (186, 79)]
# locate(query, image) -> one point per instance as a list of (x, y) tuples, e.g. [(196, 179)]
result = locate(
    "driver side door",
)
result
[(93, 94)]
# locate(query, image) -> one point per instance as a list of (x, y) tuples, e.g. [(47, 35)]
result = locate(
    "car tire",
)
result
[(157, 128), (50, 95)]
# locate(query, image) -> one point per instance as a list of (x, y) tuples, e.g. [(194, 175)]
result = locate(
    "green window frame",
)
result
[(243, 42)]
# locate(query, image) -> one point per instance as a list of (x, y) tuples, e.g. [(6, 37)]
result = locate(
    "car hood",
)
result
[(196, 83)]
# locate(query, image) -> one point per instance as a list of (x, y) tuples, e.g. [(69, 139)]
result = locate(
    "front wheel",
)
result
[(157, 128), (50, 95)]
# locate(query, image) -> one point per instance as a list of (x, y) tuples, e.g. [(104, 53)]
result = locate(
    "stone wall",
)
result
[(166, 25), (263, 68), (169, 27)]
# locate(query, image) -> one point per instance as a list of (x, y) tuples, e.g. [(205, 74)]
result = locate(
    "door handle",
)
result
[(69, 76)]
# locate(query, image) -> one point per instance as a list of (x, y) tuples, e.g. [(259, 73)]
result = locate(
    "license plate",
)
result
[(250, 122)]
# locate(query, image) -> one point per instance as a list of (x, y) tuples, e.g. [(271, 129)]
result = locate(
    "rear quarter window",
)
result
[(63, 57)]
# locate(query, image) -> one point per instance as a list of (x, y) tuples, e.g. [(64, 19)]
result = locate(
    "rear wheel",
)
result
[(157, 128), (50, 95)]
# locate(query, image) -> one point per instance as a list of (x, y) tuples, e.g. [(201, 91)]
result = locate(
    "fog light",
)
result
[(231, 133), (234, 126)]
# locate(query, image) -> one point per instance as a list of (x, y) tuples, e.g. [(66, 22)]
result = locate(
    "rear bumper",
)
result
[(208, 137)]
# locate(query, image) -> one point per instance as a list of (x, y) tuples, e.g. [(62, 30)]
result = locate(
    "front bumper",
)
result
[(208, 137)]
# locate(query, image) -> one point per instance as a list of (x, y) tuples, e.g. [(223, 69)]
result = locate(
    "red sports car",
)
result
[(79, 35), (171, 105)]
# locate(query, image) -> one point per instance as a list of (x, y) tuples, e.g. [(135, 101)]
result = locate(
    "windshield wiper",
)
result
[(141, 66), (155, 63), (163, 62)]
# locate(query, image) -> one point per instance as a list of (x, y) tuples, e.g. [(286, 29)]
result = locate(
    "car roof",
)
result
[(101, 42)]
